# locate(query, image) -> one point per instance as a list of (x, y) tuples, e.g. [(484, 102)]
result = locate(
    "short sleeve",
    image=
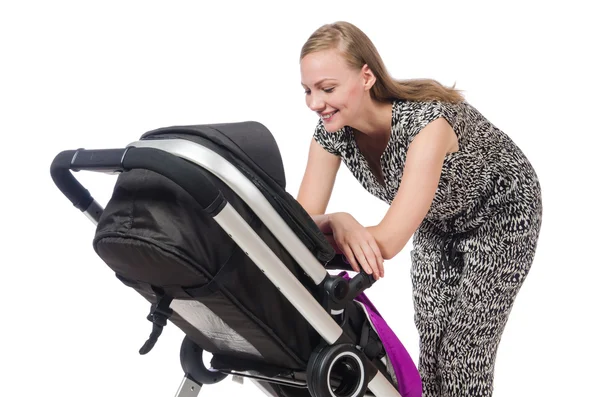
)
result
[(423, 113), (333, 142)]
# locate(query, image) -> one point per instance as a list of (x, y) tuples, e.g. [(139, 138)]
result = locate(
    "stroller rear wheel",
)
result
[(337, 371), (193, 366)]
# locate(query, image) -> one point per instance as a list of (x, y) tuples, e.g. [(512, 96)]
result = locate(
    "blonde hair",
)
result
[(358, 50)]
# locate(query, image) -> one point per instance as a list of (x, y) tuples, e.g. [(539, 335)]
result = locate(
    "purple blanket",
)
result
[(407, 374)]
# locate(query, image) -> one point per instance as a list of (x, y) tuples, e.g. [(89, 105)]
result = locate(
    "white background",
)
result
[(100, 74)]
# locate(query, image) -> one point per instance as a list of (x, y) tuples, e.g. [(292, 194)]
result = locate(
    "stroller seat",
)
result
[(200, 225)]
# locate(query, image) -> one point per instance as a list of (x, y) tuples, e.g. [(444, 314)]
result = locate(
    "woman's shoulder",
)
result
[(417, 114), (426, 108), (410, 117)]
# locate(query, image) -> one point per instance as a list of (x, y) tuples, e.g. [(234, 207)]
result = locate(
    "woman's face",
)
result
[(333, 89)]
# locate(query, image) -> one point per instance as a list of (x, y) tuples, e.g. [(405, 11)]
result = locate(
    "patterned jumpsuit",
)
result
[(473, 250)]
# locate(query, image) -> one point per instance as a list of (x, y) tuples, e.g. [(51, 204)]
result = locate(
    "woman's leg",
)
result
[(433, 300), (460, 320), (496, 264)]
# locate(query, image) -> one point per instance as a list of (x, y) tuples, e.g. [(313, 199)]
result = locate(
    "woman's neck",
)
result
[(375, 120)]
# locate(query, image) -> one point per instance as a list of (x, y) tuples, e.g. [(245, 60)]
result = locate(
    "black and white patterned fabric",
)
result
[(474, 249)]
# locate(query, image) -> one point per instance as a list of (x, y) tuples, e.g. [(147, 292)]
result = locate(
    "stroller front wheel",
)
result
[(337, 371)]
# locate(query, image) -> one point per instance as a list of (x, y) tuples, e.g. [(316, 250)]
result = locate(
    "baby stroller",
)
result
[(200, 224)]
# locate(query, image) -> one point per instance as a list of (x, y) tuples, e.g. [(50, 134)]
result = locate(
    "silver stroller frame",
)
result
[(120, 160)]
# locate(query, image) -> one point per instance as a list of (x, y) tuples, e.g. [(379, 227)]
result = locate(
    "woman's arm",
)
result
[(323, 221), (317, 183), (420, 179), (342, 231)]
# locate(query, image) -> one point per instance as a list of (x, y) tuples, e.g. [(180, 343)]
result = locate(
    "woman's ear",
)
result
[(368, 77)]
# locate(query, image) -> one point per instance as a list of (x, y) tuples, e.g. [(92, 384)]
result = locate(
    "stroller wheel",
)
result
[(337, 371), (190, 357)]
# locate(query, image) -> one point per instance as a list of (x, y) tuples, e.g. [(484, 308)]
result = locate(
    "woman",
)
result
[(457, 184)]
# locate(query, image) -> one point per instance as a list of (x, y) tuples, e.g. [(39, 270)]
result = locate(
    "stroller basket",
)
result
[(200, 224)]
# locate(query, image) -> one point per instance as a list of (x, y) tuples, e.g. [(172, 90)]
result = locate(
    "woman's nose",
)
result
[(315, 103)]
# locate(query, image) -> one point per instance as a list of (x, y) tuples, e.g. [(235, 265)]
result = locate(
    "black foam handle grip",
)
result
[(190, 177), (60, 170)]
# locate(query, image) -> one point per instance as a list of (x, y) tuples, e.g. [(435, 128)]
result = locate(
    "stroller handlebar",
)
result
[(60, 170), (180, 171)]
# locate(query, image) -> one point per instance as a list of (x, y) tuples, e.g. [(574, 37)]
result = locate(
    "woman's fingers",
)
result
[(368, 254), (372, 260), (350, 256), (362, 259), (358, 246), (378, 257), (368, 260), (364, 255)]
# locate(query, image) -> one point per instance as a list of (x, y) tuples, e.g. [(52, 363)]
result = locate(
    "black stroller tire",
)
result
[(193, 366), (345, 358)]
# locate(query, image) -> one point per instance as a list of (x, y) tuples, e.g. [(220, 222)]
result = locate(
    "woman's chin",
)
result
[(333, 126), (334, 122)]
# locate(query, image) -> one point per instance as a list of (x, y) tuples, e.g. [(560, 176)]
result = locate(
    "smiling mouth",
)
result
[(328, 115)]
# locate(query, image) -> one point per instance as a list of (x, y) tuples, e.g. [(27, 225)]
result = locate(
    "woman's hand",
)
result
[(356, 243)]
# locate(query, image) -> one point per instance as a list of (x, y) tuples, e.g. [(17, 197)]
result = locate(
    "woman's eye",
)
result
[(328, 90)]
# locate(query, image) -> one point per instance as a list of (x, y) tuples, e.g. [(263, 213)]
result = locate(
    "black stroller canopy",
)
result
[(251, 147), (250, 141)]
